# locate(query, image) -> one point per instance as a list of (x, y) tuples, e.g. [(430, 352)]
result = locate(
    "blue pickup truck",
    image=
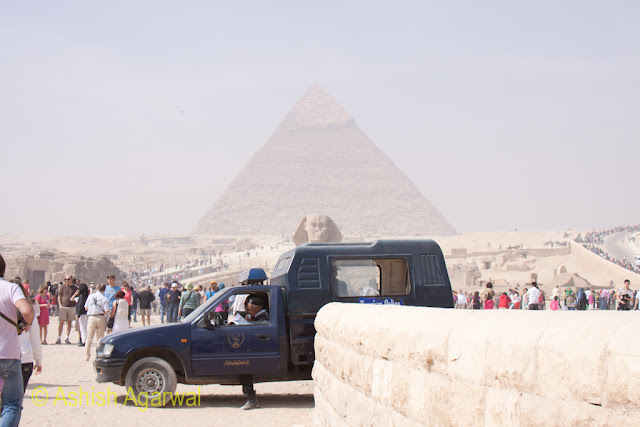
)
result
[(208, 347)]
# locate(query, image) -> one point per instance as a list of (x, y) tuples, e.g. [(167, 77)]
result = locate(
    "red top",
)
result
[(504, 301)]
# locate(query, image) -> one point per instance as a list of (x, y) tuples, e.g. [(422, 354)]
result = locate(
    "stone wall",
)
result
[(55, 267), (390, 365)]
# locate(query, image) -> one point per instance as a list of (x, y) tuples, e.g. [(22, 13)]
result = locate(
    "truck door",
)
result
[(239, 349)]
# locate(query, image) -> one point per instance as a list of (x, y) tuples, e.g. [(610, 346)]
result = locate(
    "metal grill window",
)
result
[(431, 274), (309, 273)]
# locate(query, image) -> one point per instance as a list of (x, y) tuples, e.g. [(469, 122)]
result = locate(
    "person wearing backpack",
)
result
[(189, 301), (212, 290), (12, 301)]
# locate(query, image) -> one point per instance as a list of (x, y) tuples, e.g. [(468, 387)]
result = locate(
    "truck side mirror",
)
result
[(206, 322), (216, 318), (211, 319)]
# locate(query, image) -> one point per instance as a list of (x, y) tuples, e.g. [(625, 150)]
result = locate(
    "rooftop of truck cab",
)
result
[(380, 248), (387, 243)]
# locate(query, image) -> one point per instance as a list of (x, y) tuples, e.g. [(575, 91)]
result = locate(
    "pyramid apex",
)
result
[(317, 108)]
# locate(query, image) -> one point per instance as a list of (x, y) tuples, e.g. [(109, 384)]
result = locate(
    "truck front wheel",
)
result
[(149, 378)]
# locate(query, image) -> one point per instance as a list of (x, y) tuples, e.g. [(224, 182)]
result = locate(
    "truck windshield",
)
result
[(218, 297)]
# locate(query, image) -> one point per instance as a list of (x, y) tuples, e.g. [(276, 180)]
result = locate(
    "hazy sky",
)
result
[(122, 117)]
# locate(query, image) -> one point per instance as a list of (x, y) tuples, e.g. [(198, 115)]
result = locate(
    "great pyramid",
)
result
[(319, 161)]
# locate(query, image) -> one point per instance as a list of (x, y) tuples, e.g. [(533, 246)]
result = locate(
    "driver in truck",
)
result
[(256, 310)]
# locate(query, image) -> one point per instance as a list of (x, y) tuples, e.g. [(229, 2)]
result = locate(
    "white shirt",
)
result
[(462, 299), (97, 303), (238, 304), (624, 291), (10, 294), (30, 341), (534, 295)]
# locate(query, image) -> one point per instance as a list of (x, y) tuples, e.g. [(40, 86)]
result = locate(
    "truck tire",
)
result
[(150, 377)]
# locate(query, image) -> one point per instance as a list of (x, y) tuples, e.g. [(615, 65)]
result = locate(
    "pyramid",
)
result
[(319, 161)]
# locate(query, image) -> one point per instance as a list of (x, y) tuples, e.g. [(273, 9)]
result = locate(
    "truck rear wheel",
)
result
[(149, 378)]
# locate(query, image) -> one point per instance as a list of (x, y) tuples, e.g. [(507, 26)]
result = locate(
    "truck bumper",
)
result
[(109, 370)]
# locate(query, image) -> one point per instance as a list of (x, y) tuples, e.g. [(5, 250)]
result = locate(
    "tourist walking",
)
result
[(164, 307), (67, 308), (110, 291), (489, 294), (570, 299), (476, 301), (213, 288), (581, 300), (133, 308), (462, 300), (127, 297), (503, 301), (120, 313), (30, 348), (43, 319), (146, 297), (189, 301), (11, 299), (625, 297), (173, 300), (53, 298), (81, 313), (534, 296), (97, 307)]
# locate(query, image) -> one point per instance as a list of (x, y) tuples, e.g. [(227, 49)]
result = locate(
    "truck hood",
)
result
[(172, 335)]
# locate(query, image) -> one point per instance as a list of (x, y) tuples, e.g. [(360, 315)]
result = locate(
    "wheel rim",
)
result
[(150, 381)]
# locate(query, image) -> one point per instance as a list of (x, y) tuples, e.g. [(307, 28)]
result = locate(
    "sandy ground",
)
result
[(65, 371)]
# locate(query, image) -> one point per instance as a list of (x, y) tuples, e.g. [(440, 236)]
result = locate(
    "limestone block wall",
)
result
[(395, 365)]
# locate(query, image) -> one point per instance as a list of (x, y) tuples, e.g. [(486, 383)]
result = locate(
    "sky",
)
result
[(132, 117)]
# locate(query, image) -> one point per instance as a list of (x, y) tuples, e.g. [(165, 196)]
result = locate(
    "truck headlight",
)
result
[(104, 350)]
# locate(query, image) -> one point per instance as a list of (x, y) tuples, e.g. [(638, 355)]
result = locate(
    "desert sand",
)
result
[(65, 371), (286, 403)]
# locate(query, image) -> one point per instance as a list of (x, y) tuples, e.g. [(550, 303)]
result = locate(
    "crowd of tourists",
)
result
[(593, 239), (597, 237), (77, 304), (152, 276), (532, 298), (92, 310)]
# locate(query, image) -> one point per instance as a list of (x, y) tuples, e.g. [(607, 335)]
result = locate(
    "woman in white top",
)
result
[(120, 313), (31, 347)]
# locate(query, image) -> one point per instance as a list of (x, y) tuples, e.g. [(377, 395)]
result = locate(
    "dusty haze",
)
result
[(122, 118)]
